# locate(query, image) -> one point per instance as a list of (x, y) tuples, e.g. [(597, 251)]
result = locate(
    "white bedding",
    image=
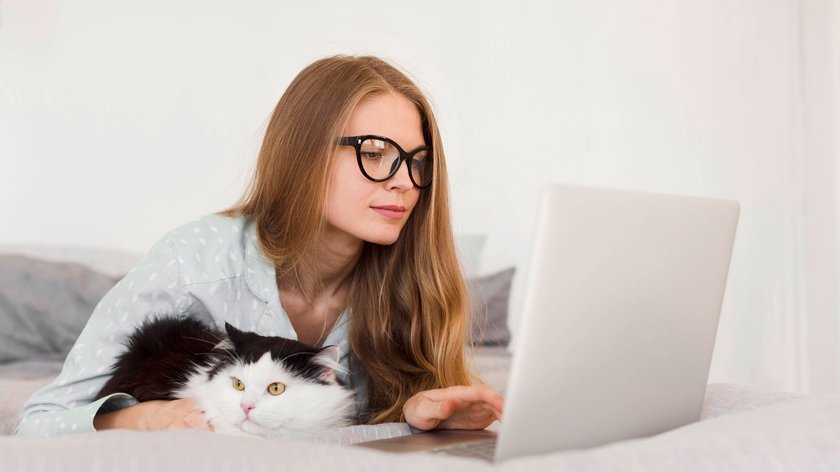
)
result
[(741, 430), (794, 434)]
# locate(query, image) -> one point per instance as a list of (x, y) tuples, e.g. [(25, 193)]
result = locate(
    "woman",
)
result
[(335, 242)]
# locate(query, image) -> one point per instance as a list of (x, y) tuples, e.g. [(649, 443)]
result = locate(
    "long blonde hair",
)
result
[(408, 300)]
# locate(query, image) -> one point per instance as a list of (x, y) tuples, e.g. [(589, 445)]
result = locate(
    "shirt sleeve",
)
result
[(67, 405)]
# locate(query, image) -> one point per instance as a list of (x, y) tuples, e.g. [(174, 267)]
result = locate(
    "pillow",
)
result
[(490, 296), (45, 305), (470, 247), (113, 262)]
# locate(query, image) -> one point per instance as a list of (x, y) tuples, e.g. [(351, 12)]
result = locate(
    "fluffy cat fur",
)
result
[(175, 357)]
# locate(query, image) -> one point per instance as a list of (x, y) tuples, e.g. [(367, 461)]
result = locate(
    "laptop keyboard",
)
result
[(476, 449)]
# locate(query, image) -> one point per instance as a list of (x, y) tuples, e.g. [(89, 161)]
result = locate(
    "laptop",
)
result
[(620, 314)]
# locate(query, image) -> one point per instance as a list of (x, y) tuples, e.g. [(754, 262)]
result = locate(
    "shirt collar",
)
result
[(259, 270), (261, 277)]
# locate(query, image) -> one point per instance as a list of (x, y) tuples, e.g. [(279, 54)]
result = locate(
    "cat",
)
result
[(246, 384)]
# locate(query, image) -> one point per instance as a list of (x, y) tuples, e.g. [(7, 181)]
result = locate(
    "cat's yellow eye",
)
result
[(237, 384), (276, 388)]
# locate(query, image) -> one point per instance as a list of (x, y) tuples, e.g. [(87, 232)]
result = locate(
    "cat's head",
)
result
[(272, 386)]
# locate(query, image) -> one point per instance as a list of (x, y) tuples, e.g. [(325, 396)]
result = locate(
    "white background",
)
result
[(122, 120)]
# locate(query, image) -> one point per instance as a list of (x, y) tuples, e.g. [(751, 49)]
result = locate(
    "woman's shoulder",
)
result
[(212, 225), (210, 236)]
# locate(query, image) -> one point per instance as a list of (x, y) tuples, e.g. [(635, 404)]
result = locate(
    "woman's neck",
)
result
[(327, 268)]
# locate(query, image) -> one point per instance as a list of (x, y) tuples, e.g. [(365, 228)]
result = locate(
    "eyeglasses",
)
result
[(380, 158)]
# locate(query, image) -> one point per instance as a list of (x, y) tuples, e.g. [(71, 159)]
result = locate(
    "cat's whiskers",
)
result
[(236, 357), (212, 353), (179, 381), (203, 340)]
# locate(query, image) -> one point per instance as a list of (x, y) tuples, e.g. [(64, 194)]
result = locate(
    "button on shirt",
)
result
[(212, 268)]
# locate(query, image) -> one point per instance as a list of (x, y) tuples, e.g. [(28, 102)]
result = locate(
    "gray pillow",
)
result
[(44, 305), (490, 297)]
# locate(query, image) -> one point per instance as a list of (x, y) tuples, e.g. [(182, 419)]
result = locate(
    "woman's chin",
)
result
[(384, 238), (383, 242)]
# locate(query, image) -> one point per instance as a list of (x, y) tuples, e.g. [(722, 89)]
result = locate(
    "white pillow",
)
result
[(470, 247)]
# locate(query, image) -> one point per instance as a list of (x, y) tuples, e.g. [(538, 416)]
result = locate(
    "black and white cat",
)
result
[(245, 383)]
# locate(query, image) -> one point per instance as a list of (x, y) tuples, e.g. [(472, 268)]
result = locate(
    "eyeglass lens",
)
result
[(380, 157)]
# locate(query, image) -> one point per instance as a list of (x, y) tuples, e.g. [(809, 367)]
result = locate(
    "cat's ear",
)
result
[(327, 358), (232, 332)]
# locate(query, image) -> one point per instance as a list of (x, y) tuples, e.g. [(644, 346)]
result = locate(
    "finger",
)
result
[(437, 409), (479, 393), (471, 415), (472, 393), (482, 412), (184, 417), (196, 420), (496, 412), (426, 414), (447, 408), (491, 397), (473, 419)]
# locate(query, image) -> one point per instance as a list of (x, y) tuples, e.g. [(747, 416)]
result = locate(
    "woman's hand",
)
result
[(155, 415), (472, 407), (183, 413)]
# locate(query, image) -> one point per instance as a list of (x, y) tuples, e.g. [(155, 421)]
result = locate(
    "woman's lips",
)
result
[(390, 211)]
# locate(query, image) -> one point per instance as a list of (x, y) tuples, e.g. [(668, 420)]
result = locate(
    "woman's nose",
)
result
[(401, 178)]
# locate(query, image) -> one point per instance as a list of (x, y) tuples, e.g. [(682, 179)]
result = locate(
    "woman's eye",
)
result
[(276, 388), (374, 156), (237, 384)]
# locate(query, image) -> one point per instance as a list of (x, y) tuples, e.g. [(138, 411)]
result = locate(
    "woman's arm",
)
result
[(154, 415), (462, 407), (67, 404)]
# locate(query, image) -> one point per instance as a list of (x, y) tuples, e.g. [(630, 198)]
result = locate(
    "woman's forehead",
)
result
[(391, 115)]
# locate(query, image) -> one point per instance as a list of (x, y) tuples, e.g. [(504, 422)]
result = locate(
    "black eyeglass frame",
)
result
[(356, 142)]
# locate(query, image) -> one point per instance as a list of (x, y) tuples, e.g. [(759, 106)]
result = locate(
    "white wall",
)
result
[(121, 121), (820, 37)]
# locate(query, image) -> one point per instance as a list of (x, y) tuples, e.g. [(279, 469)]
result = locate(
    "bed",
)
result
[(741, 428)]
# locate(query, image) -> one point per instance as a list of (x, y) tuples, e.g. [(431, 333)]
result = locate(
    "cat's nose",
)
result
[(246, 407)]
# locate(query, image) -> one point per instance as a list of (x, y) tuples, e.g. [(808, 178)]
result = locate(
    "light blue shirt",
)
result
[(212, 267)]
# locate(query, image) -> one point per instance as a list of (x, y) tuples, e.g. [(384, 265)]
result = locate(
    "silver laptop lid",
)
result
[(621, 310)]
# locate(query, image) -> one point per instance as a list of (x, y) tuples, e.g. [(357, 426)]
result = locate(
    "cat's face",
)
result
[(273, 387), (266, 398)]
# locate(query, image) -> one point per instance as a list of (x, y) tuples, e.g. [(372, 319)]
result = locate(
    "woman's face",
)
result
[(352, 199)]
